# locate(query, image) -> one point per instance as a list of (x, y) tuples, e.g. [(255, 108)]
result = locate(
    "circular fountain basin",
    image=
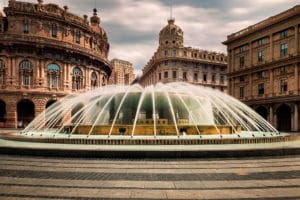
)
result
[(162, 120)]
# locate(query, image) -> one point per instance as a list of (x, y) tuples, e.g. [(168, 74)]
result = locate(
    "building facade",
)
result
[(263, 68), (173, 62), (46, 52), (122, 72)]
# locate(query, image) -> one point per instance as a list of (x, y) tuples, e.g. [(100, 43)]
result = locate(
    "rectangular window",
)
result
[(174, 74), (204, 77), (242, 92), (283, 86), (174, 63), (184, 76), (222, 79), (166, 53), (54, 31), (284, 34), (283, 70), (26, 27), (261, 41), (166, 75), (185, 63), (159, 76), (261, 89), (242, 49), (77, 38), (195, 76), (204, 67), (283, 49), (242, 62), (242, 78), (166, 63), (184, 53), (213, 78), (174, 52), (261, 74), (261, 56)]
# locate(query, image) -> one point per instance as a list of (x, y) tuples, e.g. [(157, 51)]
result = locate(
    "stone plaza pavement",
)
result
[(24, 177)]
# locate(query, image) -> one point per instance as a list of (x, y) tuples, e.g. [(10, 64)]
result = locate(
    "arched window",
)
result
[(53, 75), (77, 79), (94, 82), (26, 73), (2, 72)]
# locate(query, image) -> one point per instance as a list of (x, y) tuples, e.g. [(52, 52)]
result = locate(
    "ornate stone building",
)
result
[(122, 72), (47, 52), (173, 62), (264, 64)]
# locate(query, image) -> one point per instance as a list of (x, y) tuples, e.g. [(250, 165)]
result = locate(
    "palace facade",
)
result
[(264, 65), (122, 72), (173, 62), (46, 52)]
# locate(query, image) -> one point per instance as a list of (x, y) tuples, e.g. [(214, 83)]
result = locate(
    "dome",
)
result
[(172, 109), (171, 35)]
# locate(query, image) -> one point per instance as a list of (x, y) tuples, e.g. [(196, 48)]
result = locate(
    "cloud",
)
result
[(133, 25)]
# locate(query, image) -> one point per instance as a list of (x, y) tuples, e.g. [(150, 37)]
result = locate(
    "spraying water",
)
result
[(173, 109)]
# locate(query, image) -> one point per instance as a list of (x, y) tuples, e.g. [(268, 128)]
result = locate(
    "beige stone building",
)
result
[(173, 62), (47, 52), (122, 72), (263, 68)]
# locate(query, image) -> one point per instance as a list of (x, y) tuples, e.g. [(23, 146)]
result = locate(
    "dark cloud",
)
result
[(127, 35)]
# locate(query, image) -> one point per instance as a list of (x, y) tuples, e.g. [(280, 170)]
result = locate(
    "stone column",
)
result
[(251, 86), (42, 72), (88, 78), (271, 115), (275, 120), (232, 67), (250, 50), (271, 47), (297, 39), (9, 72), (271, 82), (11, 113), (14, 74), (297, 89), (228, 62), (295, 118)]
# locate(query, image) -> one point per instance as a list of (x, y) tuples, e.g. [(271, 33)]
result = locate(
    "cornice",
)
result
[(10, 39)]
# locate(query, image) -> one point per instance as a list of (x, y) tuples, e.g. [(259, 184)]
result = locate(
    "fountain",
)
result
[(165, 120), (173, 110)]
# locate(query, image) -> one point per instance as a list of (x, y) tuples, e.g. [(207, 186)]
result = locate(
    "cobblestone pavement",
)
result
[(66, 178)]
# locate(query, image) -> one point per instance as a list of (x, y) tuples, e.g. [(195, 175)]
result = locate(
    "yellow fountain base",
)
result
[(142, 129)]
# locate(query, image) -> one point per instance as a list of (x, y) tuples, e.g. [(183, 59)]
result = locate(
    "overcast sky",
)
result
[(133, 25)]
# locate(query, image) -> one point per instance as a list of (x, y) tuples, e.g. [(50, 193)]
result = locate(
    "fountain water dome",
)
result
[(164, 110)]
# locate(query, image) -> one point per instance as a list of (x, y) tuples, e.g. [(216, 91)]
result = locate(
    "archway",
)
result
[(53, 111), (25, 109), (262, 111), (284, 118), (2, 114)]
